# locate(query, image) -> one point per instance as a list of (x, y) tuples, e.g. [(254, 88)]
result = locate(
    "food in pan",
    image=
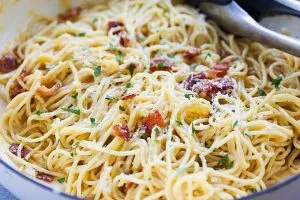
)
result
[(149, 100)]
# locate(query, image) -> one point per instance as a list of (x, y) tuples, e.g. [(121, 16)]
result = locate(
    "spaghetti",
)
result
[(148, 100)]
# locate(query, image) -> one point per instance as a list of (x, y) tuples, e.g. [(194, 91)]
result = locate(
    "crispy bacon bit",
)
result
[(44, 177), (208, 87), (14, 150), (114, 24), (160, 64), (124, 39), (218, 70), (72, 15), (129, 185), (192, 53), (24, 73), (43, 90), (122, 131), (128, 96), (15, 90), (153, 119), (8, 63)]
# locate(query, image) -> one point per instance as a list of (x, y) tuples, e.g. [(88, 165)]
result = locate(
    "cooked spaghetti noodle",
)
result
[(147, 100)]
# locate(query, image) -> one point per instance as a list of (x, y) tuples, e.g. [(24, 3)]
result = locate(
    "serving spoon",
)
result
[(239, 17)]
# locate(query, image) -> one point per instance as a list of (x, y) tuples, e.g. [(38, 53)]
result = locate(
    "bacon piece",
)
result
[(8, 63), (192, 53), (208, 87), (14, 150), (122, 131), (15, 90), (129, 185), (72, 15), (43, 90), (114, 24), (218, 70), (24, 73), (124, 39), (44, 177), (160, 64), (128, 96), (153, 119)]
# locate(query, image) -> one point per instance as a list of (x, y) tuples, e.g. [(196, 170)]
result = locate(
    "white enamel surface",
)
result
[(14, 17)]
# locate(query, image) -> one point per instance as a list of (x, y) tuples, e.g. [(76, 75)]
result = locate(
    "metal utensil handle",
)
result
[(235, 20)]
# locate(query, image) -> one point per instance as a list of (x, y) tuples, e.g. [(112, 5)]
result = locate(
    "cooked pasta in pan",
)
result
[(149, 100)]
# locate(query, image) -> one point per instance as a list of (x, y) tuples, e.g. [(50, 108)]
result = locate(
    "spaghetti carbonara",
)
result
[(144, 99)]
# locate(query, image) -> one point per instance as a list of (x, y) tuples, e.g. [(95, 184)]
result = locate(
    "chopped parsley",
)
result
[(112, 47), (97, 71), (253, 190), (75, 95), (170, 55), (103, 57), (93, 121), (207, 55), (39, 112), (70, 110), (121, 108), (61, 180), (156, 130), (188, 96), (235, 124), (179, 123), (193, 68), (71, 154), (109, 98), (95, 20), (128, 85), (224, 160), (276, 82), (233, 110), (193, 128), (131, 69), (119, 58), (249, 136), (231, 164), (160, 65), (82, 34), (261, 92)]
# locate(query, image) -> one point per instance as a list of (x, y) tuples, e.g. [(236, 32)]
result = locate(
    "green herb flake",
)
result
[(276, 82), (170, 55), (82, 34), (128, 85), (109, 98), (231, 164), (39, 112), (180, 170), (95, 20), (71, 154), (193, 68), (70, 110), (75, 95), (188, 96), (131, 68), (160, 65), (179, 123), (156, 130), (61, 180), (121, 108), (253, 190), (261, 92), (156, 141), (233, 111), (249, 136), (235, 124), (207, 55), (93, 121), (97, 71), (112, 47), (119, 58), (224, 160), (193, 128)]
